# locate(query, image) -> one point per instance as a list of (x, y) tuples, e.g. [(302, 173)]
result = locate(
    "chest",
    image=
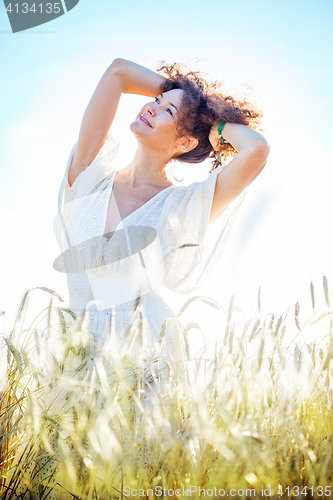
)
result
[(125, 201)]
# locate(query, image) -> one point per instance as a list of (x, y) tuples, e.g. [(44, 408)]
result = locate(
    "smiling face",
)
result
[(156, 123)]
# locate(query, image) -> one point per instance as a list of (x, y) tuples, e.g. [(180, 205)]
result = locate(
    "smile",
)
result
[(145, 121)]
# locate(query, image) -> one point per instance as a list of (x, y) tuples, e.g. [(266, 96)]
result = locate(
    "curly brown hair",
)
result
[(203, 105)]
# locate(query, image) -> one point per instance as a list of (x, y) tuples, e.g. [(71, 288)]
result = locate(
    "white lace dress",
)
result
[(166, 243)]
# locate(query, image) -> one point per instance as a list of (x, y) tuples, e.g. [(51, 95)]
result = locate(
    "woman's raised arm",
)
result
[(252, 152), (121, 77)]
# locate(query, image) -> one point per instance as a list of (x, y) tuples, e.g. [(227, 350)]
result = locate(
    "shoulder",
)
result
[(196, 188), (100, 167)]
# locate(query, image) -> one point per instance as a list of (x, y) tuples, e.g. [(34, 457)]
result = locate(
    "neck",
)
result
[(148, 167)]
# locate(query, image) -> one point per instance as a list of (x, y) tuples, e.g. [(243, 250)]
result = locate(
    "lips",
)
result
[(144, 120)]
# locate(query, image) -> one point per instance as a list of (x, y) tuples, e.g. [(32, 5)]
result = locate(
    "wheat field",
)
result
[(252, 421)]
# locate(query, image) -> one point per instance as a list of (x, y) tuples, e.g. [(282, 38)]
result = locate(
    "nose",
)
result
[(150, 109)]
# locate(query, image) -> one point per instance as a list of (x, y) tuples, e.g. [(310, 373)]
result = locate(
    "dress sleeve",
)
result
[(194, 246), (71, 199), (99, 169)]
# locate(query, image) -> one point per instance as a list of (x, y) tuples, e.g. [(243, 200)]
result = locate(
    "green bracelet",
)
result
[(219, 130)]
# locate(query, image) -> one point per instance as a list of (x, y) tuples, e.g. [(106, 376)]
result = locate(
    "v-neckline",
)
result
[(129, 215)]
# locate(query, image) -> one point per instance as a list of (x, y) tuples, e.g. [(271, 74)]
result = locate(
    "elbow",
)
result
[(261, 150), (116, 72), (264, 147), (116, 64)]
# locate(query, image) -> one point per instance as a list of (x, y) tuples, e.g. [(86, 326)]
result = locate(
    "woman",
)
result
[(125, 235)]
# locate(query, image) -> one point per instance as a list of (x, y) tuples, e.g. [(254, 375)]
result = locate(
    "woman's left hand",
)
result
[(214, 138)]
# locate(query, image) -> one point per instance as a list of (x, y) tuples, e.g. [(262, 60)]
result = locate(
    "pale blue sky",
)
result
[(283, 50)]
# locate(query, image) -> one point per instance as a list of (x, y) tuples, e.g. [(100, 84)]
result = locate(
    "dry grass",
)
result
[(76, 423)]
